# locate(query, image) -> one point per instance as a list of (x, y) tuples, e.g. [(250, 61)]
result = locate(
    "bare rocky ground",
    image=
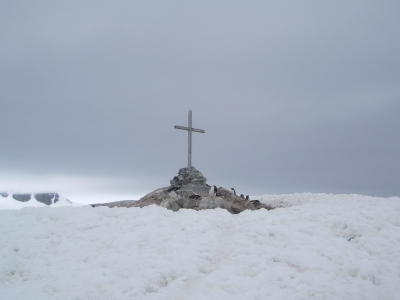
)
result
[(123, 203), (180, 199), (188, 190)]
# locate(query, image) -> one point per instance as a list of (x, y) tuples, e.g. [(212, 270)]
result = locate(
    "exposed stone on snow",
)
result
[(211, 202), (256, 204), (189, 177), (180, 199), (155, 197), (123, 203), (176, 200), (4, 194), (188, 190), (171, 205), (45, 198), (225, 193), (22, 197), (56, 198), (186, 203)]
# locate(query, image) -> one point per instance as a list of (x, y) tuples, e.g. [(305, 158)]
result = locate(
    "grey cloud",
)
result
[(293, 96)]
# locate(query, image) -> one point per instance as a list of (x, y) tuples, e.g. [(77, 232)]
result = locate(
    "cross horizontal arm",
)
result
[(187, 128)]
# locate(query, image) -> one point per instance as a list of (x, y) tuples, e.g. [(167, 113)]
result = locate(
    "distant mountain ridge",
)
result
[(20, 200)]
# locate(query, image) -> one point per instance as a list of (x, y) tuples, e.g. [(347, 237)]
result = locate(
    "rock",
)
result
[(123, 203), (198, 190), (185, 181), (45, 198), (225, 193), (155, 197), (22, 197), (212, 202), (4, 194), (183, 193), (179, 199), (172, 196), (256, 204), (186, 203), (170, 204), (191, 182), (191, 177), (251, 206)]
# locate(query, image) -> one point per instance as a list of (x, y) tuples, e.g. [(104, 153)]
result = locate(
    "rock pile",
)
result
[(189, 177), (188, 190)]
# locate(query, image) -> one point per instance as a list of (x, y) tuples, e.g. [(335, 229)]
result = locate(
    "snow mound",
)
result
[(317, 247), (287, 200)]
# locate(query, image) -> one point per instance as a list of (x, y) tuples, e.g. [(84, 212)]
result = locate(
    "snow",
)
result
[(10, 203), (315, 246)]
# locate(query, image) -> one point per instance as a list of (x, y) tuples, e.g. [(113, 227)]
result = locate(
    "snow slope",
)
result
[(9, 202), (315, 246)]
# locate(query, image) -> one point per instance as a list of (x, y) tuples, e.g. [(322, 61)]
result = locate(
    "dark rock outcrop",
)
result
[(45, 198), (180, 199), (190, 177), (22, 197), (256, 204), (4, 194), (188, 190)]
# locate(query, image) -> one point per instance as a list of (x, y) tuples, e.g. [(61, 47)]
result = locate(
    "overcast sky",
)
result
[(294, 96)]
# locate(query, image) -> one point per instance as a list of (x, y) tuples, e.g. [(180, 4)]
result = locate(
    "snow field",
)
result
[(315, 246)]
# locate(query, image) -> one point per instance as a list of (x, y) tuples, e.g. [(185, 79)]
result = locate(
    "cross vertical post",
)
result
[(190, 139), (190, 129)]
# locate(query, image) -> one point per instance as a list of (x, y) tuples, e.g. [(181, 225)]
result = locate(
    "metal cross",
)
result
[(189, 129)]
